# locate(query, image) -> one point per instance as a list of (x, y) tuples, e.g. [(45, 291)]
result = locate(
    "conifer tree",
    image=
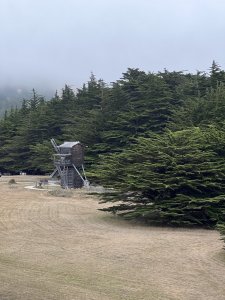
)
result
[(176, 178), (217, 75)]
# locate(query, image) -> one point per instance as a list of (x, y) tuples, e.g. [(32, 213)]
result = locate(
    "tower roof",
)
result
[(68, 144)]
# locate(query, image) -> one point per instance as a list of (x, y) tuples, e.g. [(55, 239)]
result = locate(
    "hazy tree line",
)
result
[(8, 97), (157, 138)]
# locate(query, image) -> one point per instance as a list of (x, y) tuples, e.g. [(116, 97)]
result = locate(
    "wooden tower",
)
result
[(69, 164)]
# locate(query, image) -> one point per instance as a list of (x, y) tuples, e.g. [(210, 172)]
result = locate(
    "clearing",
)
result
[(64, 248)]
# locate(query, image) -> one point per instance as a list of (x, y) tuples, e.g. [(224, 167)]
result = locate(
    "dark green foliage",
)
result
[(157, 139), (201, 111), (176, 178), (216, 75)]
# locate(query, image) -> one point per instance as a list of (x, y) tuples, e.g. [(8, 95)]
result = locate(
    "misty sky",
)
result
[(53, 42)]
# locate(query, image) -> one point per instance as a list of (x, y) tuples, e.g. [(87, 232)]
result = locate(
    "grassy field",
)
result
[(64, 248)]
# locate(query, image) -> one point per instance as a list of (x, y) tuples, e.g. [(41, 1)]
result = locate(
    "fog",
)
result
[(47, 43)]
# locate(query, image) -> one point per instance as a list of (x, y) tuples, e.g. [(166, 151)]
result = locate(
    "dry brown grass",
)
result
[(64, 248)]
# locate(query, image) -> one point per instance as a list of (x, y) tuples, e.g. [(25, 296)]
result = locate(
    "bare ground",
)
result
[(64, 248)]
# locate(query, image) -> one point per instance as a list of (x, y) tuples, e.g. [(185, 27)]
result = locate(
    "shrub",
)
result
[(12, 181)]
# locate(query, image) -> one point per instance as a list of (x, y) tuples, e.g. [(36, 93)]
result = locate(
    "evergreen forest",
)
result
[(156, 139)]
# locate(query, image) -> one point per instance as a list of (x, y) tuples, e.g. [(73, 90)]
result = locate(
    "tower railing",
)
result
[(62, 159)]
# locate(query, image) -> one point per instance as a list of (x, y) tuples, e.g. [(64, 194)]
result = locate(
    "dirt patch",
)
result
[(64, 248)]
